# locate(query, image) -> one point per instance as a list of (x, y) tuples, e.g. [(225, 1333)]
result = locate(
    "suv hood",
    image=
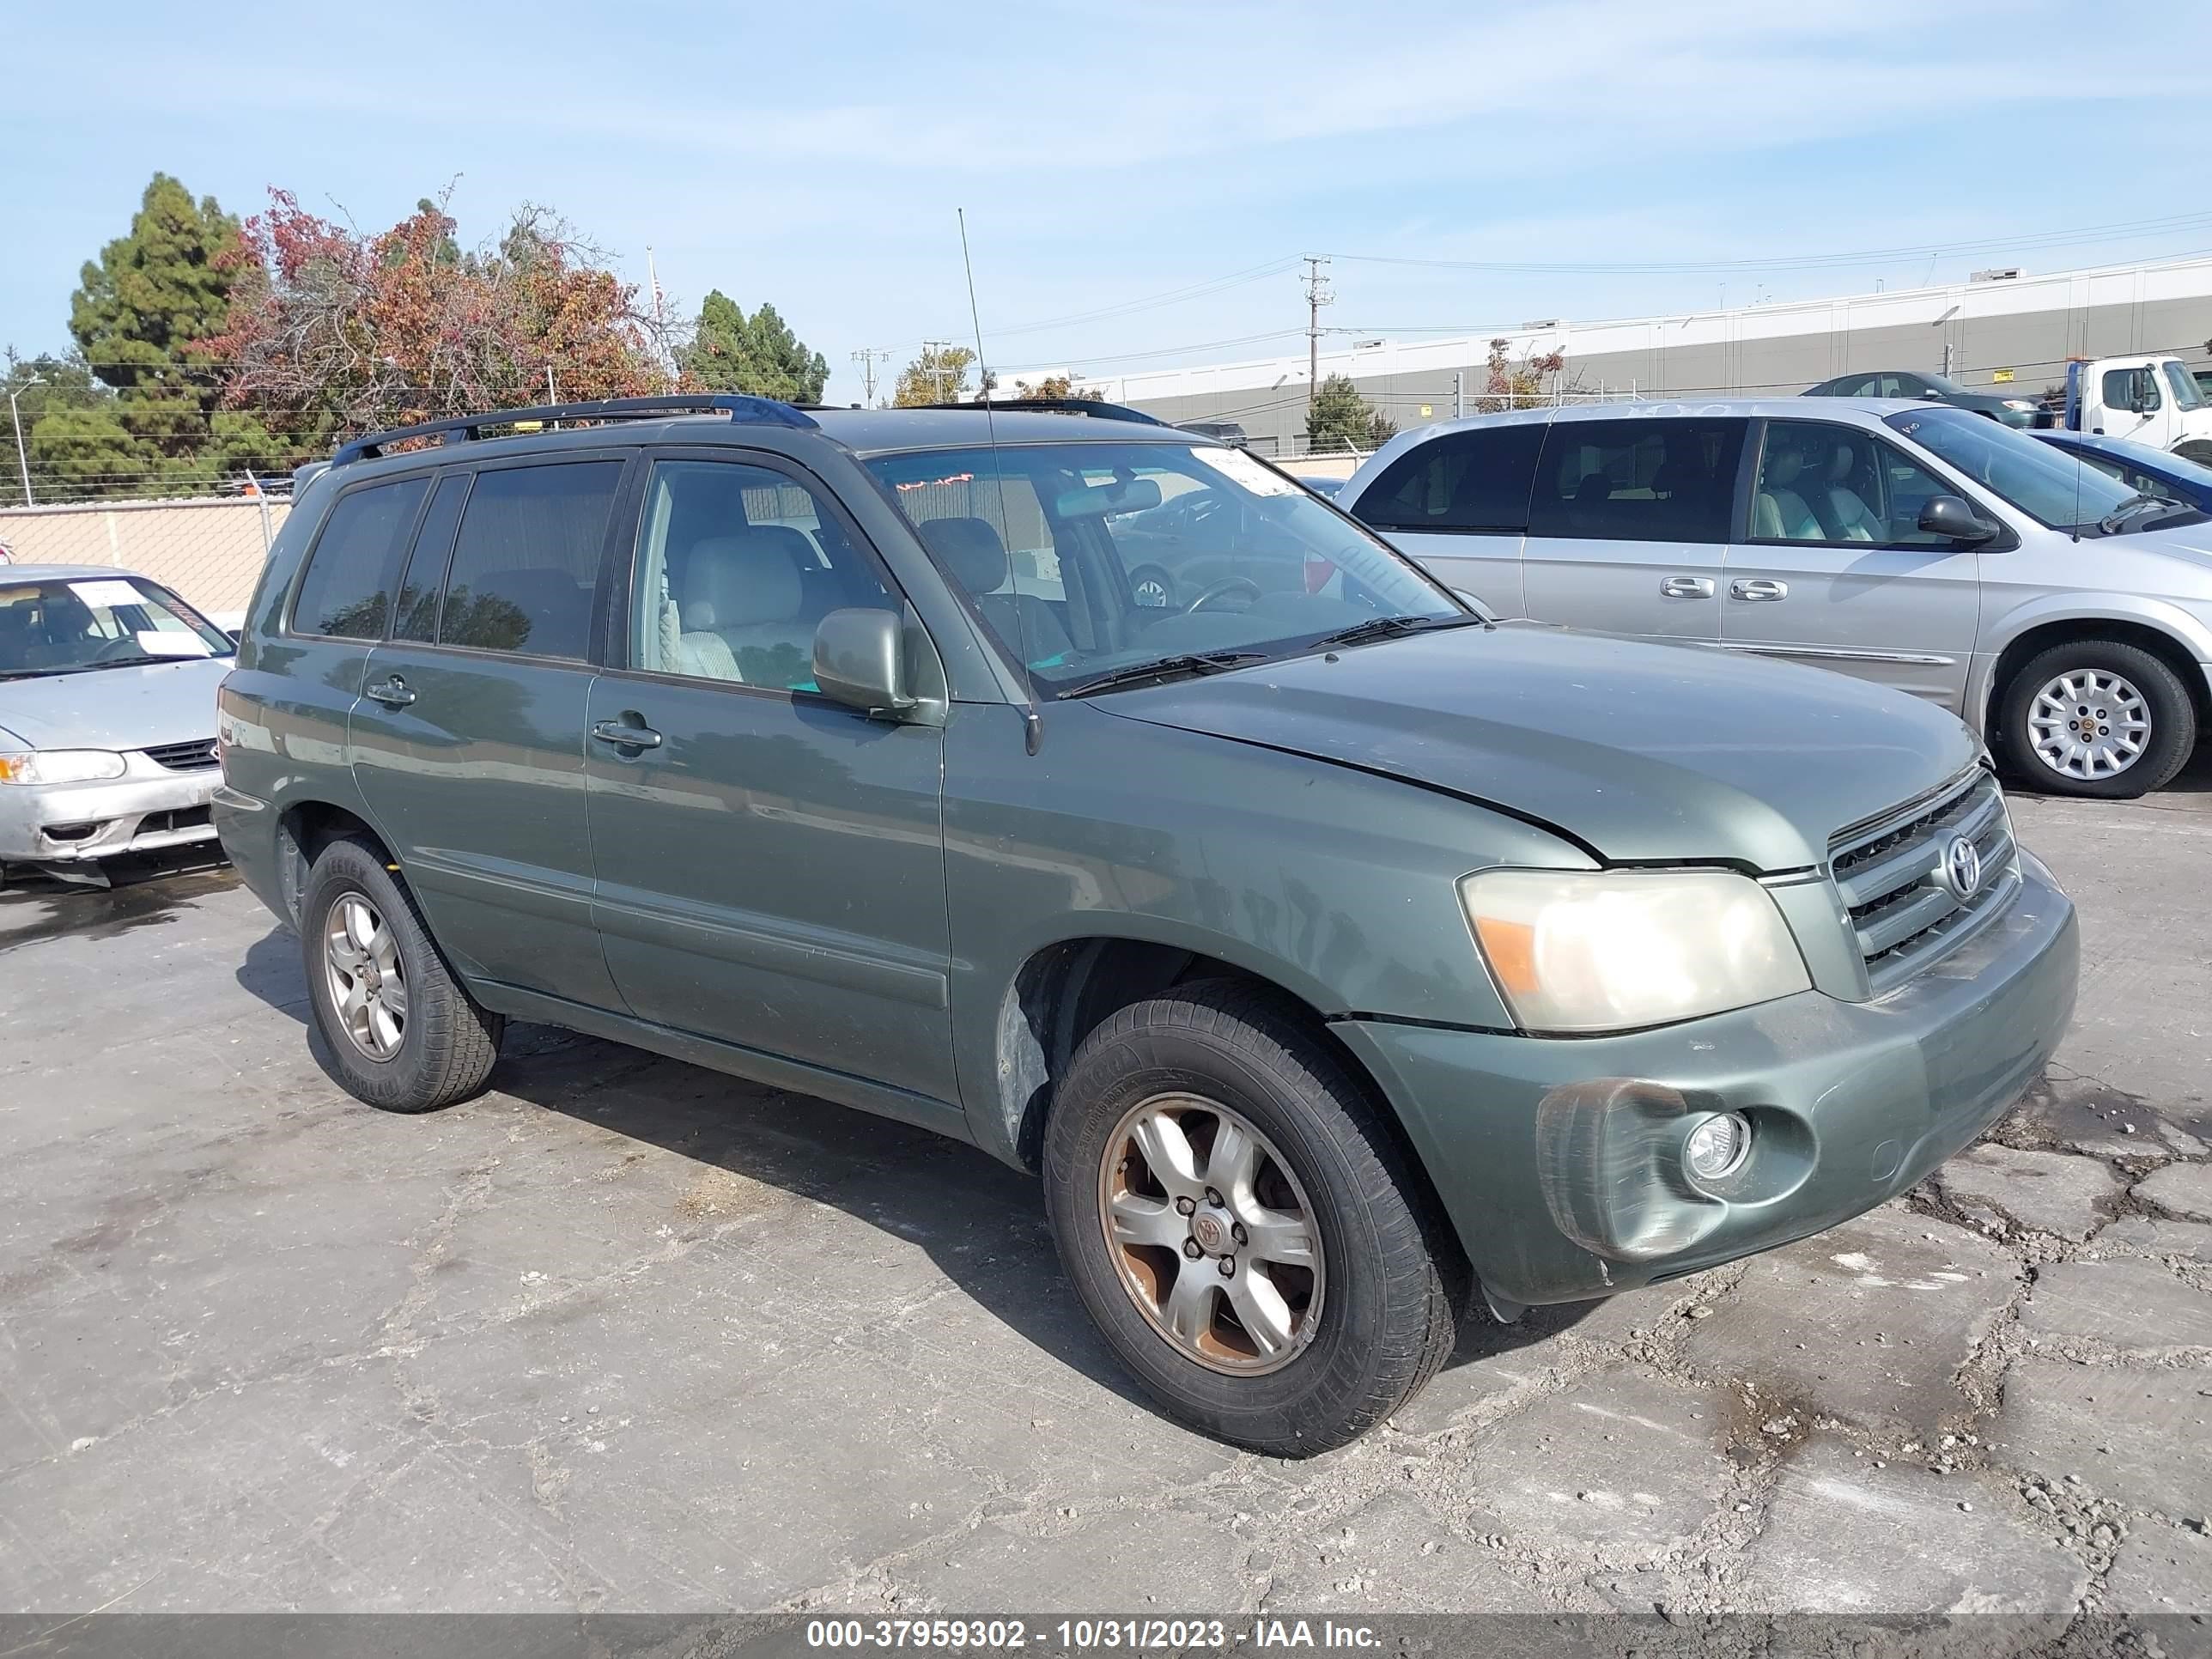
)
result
[(1642, 752), (134, 707)]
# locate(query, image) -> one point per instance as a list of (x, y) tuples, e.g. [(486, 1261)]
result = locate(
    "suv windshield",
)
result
[(1091, 561), (74, 626), (2046, 483)]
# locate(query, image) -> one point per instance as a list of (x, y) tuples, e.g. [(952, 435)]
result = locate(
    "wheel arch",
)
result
[(2167, 632), (304, 827), (1067, 989), (2123, 630)]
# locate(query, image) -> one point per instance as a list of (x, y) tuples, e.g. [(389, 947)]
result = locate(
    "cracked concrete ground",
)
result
[(624, 1335)]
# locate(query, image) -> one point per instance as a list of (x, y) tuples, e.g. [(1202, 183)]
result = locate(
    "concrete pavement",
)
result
[(623, 1334)]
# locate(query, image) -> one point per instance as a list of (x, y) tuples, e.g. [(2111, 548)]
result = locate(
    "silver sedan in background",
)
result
[(107, 718)]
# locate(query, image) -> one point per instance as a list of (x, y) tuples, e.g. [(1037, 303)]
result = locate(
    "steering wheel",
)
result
[(125, 647), (1228, 585)]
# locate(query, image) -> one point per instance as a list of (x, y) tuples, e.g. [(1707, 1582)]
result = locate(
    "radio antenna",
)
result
[(1032, 726)]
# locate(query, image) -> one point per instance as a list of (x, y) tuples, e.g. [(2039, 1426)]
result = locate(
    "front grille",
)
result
[(184, 756), (1891, 874)]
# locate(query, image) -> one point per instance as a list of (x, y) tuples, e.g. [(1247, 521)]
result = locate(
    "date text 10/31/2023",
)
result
[(986, 1636)]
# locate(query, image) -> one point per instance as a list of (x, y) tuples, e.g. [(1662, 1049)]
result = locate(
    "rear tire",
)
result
[(2065, 713), (1345, 1339), (396, 1029)]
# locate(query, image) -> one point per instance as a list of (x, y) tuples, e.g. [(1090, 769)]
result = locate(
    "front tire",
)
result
[(1242, 1226), (396, 1029), (2098, 719)]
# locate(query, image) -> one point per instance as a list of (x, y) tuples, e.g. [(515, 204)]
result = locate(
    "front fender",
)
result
[(2144, 610)]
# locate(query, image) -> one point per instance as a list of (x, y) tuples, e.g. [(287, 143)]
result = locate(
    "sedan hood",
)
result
[(135, 707), (1641, 752)]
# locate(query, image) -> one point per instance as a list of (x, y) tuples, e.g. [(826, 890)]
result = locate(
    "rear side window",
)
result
[(1636, 481), (525, 564), (426, 566), (346, 593), (1476, 480)]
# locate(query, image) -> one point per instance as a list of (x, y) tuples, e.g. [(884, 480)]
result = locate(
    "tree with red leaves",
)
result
[(343, 333)]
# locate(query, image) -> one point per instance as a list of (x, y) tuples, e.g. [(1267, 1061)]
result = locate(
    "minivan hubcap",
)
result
[(367, 986), (2088, 723), (1214, 1237)]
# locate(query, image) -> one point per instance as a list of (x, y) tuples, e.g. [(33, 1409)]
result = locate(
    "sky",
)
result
[(1140, 179)]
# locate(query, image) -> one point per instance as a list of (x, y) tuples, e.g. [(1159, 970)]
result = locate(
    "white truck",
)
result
[(2146, 399)]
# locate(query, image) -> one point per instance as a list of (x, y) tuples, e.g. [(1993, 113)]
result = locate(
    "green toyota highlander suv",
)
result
[(1337, 956)]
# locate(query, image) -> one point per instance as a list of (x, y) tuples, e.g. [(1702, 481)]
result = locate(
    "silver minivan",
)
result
[(2065, 617)]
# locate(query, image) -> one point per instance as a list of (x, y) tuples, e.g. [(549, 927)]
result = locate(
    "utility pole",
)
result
[(1459, 393), (933, 351), (551, 395), (868, 358), (1317, 295), (22, 455)]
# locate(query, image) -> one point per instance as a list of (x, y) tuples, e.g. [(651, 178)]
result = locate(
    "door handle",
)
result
[(624, 736), (394, 693), (1759, 588), (1686, 588)]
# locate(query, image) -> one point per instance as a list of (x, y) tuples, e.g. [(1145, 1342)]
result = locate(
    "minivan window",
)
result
[(1473, 480), (526, 562), (1645, 480), (2044, 483), (736, 566), (1822, 482), (346, 592)]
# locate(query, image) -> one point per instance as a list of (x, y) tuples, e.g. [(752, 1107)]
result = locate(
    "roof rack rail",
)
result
[(1091, 406), (758, 411)]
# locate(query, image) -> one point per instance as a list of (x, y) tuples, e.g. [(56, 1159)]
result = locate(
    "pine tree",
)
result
[(732, 352), (138, 315), (1340, 419)]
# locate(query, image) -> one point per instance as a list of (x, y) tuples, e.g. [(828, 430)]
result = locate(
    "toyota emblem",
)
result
[(1962, 868)]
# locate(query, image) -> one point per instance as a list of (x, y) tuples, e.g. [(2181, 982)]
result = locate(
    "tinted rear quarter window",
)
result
[(526, 562), (346, 592), (1642, 480), (1475, 480), (425, 581)]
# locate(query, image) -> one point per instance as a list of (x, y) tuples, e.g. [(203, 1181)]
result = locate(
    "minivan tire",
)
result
[(2166, 701), (444, 1047), (1380, 1304)]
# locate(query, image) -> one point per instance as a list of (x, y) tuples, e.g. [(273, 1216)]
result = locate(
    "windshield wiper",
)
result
[(1188, 666), (1384, 628), (2131, 509)]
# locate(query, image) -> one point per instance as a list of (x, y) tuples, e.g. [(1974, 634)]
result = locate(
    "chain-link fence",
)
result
[(210, 551)]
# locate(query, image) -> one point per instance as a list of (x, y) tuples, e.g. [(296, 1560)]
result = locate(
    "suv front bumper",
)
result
[(1559, 1161)]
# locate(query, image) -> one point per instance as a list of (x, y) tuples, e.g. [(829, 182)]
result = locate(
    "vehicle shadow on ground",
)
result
[(141, 891), (981, 1224)]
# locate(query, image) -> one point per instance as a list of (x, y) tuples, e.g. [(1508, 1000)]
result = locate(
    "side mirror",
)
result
[(1950, 517), (859, 660)]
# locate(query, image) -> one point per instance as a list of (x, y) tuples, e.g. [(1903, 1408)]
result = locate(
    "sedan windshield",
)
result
[(83, 623), (2046, 483), (1093, 563)]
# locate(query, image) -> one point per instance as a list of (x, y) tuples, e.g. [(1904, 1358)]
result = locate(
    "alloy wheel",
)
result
[(2088, 723), (1213, 1236), (368, 988)]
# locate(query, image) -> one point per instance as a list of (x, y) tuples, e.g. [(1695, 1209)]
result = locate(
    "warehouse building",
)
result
[(2001, 328)]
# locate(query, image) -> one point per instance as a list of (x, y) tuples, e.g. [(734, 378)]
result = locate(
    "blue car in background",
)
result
[(2146, 471)]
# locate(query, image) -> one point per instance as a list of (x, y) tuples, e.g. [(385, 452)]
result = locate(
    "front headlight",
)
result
[(1615, 951), (61, 766), (2019, 403)]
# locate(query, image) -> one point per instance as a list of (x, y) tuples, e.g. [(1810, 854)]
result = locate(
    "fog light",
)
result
[(1717, 1145)]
